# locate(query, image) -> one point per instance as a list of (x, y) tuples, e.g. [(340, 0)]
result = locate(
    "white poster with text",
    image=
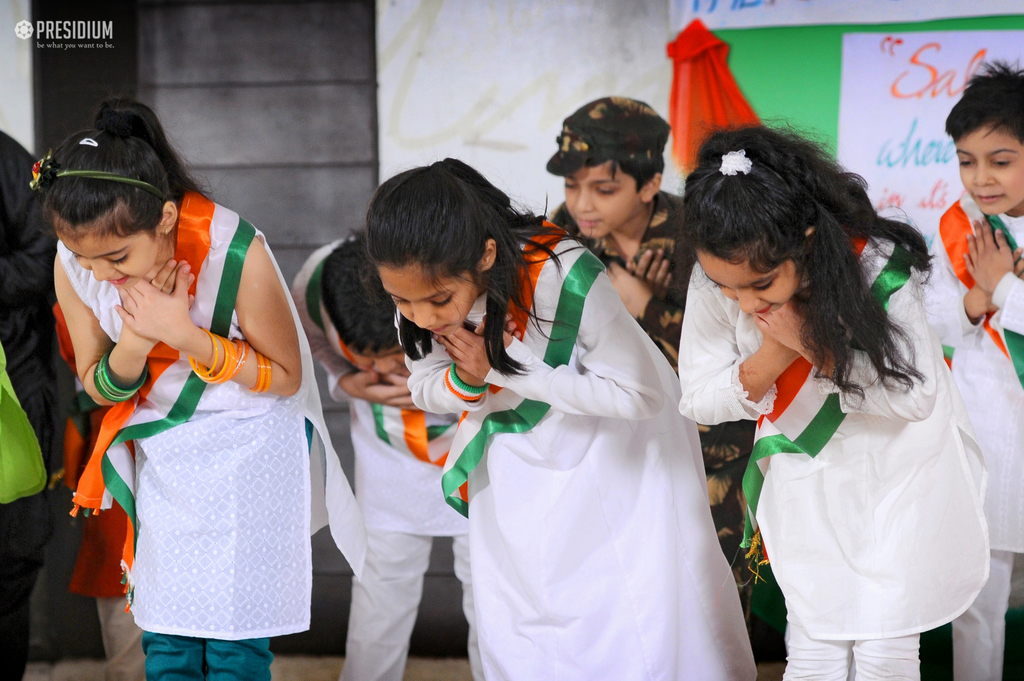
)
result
[(896, 92), (490, 81), (717, 14)]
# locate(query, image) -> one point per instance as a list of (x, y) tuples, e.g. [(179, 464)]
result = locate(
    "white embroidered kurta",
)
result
[(223, 501), (989, 385), (882, 534), (396, 492), (592, 547)]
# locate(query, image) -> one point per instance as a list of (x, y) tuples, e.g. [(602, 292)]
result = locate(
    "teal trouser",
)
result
[(183, 658)]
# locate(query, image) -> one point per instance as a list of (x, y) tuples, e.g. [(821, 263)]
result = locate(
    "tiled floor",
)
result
[(294, 668)]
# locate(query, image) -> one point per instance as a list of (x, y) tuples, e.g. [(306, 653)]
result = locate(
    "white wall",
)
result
[(16, 113), (490, 81)]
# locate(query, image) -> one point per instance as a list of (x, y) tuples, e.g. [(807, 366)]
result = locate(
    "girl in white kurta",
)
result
[(399, 455), (592, 548), (865, 485), (180, 320)]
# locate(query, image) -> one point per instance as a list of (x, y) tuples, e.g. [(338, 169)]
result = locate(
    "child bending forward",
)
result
[(593, 553), (806, 313), (180, 320)]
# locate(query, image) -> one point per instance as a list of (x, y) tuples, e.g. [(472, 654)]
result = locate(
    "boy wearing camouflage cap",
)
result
[(610, 153)]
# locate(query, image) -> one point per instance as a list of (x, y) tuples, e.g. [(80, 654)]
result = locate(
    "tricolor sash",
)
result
[(954, 228), (172, 391), (403, 429), (803, 419), (407, 431), (503, 411)]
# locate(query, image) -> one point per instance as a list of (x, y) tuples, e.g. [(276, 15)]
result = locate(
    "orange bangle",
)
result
[(263, 373), (243, 354), (227, 370)]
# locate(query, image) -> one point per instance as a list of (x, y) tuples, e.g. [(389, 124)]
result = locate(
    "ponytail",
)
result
[(124, 118), (128, 141)]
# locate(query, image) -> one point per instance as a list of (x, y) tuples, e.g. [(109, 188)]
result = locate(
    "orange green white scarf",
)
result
[(552, 338), (954, 228), (172, 391), (803, 420)]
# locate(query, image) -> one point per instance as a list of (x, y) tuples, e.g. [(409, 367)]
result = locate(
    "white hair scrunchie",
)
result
[(736, 162)]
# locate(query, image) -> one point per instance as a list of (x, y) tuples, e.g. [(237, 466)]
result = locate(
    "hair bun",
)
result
[(119, 123)]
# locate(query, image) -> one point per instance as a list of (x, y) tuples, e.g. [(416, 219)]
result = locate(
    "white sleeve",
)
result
[(1009, 298), (619, 379), (944, 297), (709, 360), (428, 388), (335, 365), (920, 345)]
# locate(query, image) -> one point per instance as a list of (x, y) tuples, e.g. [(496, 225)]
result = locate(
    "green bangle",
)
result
[(108, 388), (466, 387)]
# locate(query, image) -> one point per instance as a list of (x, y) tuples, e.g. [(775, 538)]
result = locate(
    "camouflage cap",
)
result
[(612, 129)]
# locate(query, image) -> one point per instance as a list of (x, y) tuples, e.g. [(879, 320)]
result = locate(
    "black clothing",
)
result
[(27, 255)]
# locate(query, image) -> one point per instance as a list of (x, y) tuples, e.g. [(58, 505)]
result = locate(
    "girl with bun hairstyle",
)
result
[(806, 313), (180, 320)]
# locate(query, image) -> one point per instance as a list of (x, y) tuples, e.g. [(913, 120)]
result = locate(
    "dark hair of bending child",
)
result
[(481, 226), (360, 310), (796, 208), (994, 99)]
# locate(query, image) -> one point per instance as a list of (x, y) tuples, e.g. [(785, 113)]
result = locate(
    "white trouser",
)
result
[(122, 641), (980, 633), (883, 659), (385, 601)]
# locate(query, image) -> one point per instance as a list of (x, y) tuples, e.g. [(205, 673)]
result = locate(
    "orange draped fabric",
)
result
[(98, 566), (704, 95)]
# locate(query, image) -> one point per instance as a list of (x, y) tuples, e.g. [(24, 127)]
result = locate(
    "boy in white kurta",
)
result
[(976, 304), (399, 453)]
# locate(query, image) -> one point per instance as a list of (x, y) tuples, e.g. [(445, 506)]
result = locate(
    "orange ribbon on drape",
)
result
[(704, 96)]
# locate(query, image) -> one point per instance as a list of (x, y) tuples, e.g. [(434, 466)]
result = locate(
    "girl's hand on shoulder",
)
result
[(466, 348), (785, 327), (467, 351), (151, 313)]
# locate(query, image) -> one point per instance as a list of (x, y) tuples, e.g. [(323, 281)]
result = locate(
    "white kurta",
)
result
[(223, 501), (592, 547), (989, 385), (882, 534), (396, 491)]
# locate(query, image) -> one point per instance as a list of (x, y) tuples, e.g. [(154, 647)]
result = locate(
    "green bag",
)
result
[(22, 472)]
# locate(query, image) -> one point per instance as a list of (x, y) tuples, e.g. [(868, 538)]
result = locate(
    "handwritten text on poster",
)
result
[(895, 95)]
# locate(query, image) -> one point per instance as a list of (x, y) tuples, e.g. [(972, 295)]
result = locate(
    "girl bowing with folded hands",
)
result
[(864, 488), (180, 319)]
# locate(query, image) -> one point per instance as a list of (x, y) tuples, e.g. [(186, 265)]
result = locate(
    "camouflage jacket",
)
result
[(662, 319)]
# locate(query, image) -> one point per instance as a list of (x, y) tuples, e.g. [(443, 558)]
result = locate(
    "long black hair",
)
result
[(763, 217), (128, 140), (439, 217)]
